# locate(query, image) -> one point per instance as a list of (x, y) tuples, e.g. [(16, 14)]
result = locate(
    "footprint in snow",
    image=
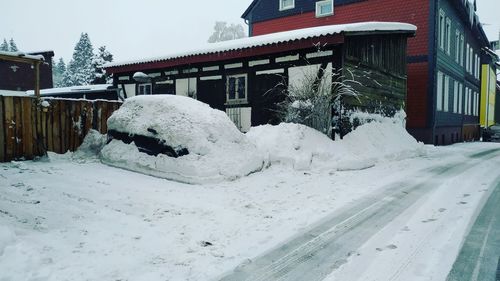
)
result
[(406, 228), (466, 195), (429, 220), (462, 203), (442, 210)]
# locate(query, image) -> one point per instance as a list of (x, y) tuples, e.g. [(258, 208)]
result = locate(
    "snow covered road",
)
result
[(313, 255), (75, 219)]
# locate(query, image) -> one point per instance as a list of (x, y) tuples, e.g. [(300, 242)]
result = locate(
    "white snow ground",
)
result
[(73, 218)]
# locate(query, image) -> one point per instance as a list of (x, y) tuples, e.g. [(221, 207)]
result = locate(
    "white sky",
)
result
[(135, 29)]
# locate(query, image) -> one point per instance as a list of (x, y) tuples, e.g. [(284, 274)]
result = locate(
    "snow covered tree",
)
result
[(4, 47), (80, 70), (13, 46), (225, 32), (102, 57), (59, 70)]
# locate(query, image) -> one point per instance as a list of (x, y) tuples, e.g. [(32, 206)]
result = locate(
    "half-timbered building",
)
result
[(248, 77)]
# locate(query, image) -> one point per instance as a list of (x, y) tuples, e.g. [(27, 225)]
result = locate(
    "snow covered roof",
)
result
[(22, 56), (275, 38), (10, 93), (72, 90)]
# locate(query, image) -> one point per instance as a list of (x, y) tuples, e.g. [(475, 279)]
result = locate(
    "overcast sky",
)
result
[(139, 28)]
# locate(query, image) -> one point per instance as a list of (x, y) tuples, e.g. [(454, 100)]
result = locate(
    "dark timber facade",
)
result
[(248, 83)]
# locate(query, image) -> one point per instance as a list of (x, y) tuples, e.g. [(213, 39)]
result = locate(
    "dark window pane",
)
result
[(232, 89), (241, 87)]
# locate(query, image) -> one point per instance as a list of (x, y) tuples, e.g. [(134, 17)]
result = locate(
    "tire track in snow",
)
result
[(314, 254)]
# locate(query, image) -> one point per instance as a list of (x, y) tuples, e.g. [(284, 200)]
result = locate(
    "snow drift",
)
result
[(304, 148), (216, 149)]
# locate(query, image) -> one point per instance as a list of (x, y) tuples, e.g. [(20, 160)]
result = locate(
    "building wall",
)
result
[(455, 117), (16, 76), (414, 12)]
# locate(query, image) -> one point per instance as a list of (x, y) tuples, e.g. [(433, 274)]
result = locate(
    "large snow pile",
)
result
[(305, 148), (91, 146), (217, 150)]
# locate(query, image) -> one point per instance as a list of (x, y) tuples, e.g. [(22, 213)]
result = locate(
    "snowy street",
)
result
[(76, 219)]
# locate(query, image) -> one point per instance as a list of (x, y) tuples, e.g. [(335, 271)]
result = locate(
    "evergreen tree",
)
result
[(59, 69), (102, 57), (225, 32), (80, 70), (12, 46), (4, 47)]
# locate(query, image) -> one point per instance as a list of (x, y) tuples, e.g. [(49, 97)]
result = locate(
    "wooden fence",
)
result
[(29, 127)]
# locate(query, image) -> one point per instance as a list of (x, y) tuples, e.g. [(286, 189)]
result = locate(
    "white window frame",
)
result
[(236, 100), (467, 58), (442, 20), (319, 4), (439, 99), (457, 46), (460, 98), (446, 102), (448, 36), (455, 97), (284, 8), (144, 87), (462, 46)]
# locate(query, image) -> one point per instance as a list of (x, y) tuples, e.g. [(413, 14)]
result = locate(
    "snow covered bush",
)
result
[(205, 146), (314, 99)]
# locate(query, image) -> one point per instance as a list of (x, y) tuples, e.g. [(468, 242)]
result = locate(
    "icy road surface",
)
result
[(78, 220)]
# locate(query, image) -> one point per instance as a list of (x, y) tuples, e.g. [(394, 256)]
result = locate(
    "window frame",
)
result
[(441, 29), (448, 36), (462, 47), (236, 100), (318, 8), (439, 91), (457, 46), (284, 8), (144, 87)]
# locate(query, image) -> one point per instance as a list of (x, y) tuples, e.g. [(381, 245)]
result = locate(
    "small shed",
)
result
[(247, 78)]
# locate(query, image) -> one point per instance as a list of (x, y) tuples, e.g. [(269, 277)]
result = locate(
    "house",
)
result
[(16, 77), (89, 92), (444, 58), (248, 77)]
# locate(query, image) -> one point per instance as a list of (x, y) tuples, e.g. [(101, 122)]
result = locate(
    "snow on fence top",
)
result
[(72, 90), (22, 55), (276, 38)]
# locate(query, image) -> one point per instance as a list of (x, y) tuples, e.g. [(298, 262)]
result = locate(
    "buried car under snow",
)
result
[(178, 138)]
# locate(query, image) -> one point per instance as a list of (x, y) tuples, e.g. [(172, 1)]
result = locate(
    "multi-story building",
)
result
[(444, 59)]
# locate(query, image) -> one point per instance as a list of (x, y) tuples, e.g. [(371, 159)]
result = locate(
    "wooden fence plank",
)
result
[(2, 131), (27, 139), (10, 130), (18, 121), (48, 121), (77, 129), (56, 126)]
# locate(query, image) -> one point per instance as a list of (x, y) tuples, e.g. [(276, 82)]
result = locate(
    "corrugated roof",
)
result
[(275, 38)]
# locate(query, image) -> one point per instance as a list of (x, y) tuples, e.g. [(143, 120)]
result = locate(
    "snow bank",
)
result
[(304, 148), (7, 237), (217, 150), (91, 146)]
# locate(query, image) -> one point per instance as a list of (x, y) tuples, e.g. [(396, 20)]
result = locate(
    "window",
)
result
[(448, 36), (237, 88), (455, 97), (467, 60), (439, 104), (144, 89), (446, 103), (471, 60), (460, 98), (324, 8), (441, 29), (287, 4), (457, 46), (462, 46)]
